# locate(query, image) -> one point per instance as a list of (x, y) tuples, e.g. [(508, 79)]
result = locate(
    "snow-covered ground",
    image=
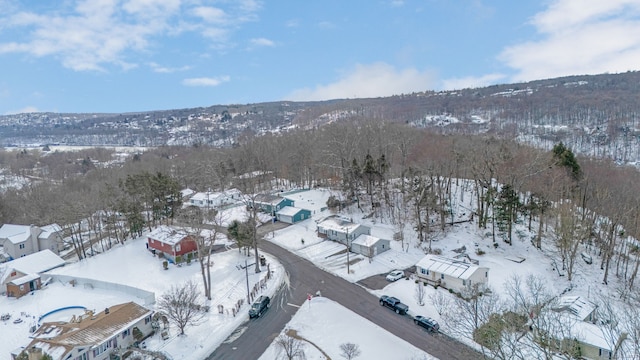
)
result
[(133, 265)]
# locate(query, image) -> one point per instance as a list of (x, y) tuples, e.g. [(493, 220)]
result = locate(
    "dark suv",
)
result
[(259, 306), (427, 323)]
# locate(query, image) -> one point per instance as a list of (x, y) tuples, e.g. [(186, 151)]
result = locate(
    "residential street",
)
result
[(253, 337)]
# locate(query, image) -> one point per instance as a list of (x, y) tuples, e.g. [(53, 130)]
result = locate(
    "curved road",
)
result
[(251, 339)]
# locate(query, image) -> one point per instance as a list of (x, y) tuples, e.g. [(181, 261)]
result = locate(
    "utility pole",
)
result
[(246, 272), (348, 251)]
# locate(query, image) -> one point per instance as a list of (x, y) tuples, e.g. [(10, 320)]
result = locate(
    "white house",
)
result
[(215, 199), (19, 240), (370, 246), (50, 238), (449, 273), (581, 308), (91, 336), (341, 230)]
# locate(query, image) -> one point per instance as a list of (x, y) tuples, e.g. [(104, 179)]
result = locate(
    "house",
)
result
[(50, 238), (93, 336), (171, 243), (23, 275), (454, 274), (292, 215), (579, 315), (186, 193), (581, 308), (369, 246), (19, 240), (342, 230), (215, 199), (271, 204)]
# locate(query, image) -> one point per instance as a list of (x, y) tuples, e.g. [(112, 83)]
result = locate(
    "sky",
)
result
[(140, 55)]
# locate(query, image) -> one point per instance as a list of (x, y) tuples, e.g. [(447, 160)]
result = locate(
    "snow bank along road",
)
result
[(253, 337)]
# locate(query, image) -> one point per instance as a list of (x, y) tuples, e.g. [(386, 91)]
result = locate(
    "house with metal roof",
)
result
[(449, 273), (98, 336)]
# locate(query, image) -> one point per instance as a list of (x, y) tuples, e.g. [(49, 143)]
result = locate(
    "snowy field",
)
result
[(323, 325)]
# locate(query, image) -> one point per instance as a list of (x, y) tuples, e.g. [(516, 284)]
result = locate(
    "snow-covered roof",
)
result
[(48, 230), (366, 240), (451, 267), (289, 211), (24, 279), (577, 305), (186, 192), (212, 196), (268, 199), (167, 235), (339, 224), (15, 233), (592, 334), (92, 329), (36, 263)]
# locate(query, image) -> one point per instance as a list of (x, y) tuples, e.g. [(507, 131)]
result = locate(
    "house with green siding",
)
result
[(270, 204), (292, 215)]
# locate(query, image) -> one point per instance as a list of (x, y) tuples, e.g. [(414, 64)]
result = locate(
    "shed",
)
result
[(23, 285), (28, 266), (449, 273), (171, 243), (370, 246), (292, 215)]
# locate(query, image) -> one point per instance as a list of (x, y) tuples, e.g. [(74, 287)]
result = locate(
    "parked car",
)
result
[(427, 323), (395, 275), (259, 306), (394, 304)]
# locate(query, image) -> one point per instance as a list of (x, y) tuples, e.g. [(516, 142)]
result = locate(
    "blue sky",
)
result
[(138, 55)]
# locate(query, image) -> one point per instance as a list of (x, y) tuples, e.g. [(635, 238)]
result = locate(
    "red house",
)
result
[(171, 243)]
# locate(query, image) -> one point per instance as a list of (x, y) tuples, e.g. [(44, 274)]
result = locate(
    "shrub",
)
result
[(165, 264), (479, 251), (178, 259)]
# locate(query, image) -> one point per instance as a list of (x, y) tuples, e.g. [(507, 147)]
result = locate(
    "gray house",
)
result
[(292, 215), (341, 230), (19, 240), (369, 246)]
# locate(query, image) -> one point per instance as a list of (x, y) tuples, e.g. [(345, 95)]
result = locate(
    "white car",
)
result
[(395, 275)]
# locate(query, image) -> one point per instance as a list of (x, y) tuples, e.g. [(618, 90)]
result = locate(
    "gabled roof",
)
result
[(24, 279), (289, 211), (268, 199), (167, 235), (15, 233), (366, 240), (49, 230), (576, 305), (451, 267), (339, 224), (35, 263), (92, 329)]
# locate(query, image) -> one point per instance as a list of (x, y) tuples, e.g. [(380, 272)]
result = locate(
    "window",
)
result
[(21, 287), (178, 247), (442, 276), (151, 241), (464, 282), (486, 274), (21, 246), (126, 333), (424, 271), (147, 320)]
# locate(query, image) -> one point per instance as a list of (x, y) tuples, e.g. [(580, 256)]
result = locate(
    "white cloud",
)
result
[(471, 81), (579, 37), (262, 42), (373, 80), (167, 70), (92, 34), (206, 81)]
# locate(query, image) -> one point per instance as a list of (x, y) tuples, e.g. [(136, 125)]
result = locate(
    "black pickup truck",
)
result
[(394, 304)]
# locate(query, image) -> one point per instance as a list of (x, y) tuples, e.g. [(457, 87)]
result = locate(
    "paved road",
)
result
[(253, 337)]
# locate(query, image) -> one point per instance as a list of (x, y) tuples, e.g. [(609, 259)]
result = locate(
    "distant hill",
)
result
[(596, 115)]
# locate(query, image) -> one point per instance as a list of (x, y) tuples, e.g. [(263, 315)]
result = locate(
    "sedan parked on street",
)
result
[(427, 323)]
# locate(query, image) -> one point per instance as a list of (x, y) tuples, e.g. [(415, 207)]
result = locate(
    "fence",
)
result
[(148, 296)]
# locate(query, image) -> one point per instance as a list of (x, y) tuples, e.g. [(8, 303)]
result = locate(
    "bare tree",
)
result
[(420, 293), (350, 351), (289, 347), (471, 309), (440, 301), (181, 304)]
